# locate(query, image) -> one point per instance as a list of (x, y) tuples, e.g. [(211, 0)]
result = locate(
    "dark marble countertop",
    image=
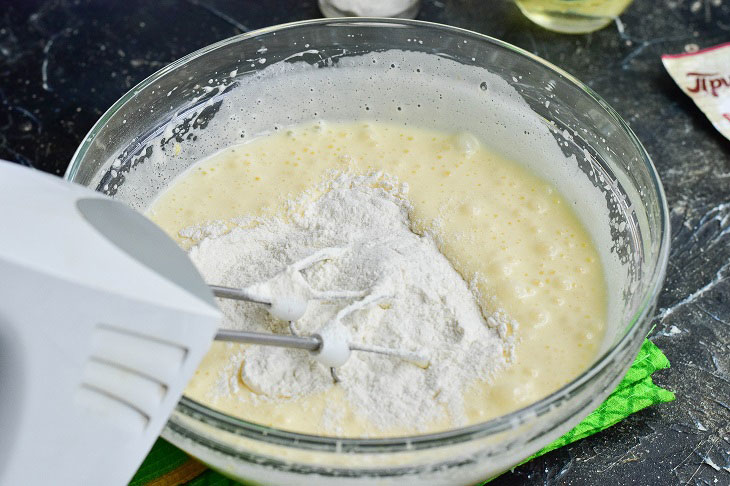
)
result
[(64, 62)]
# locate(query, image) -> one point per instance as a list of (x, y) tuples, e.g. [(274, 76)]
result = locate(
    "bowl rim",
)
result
[(273, 435)]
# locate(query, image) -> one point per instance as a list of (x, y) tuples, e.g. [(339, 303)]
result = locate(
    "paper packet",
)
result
[(705, 77)]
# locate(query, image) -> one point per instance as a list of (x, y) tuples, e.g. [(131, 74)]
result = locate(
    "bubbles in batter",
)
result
[(508, 234)]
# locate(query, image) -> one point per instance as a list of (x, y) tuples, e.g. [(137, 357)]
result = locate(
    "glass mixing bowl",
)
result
[(427, 75)]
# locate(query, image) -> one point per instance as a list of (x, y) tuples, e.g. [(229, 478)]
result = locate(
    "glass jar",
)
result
[(405, 9), (572, 16)]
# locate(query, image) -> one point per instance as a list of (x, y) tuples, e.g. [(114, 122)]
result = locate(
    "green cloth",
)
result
[(635, 392)]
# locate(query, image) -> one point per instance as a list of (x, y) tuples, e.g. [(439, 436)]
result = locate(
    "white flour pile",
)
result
[(431, 309)]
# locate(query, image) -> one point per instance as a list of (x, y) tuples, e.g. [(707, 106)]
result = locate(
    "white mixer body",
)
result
[(103, 320)]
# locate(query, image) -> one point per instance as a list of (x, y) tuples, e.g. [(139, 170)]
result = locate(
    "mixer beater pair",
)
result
[(287, 295)]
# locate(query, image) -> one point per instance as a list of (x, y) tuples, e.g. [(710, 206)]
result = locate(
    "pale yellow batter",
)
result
[(493, 219)]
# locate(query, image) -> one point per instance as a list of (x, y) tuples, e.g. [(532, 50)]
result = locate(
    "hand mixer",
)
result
[(103, 320)]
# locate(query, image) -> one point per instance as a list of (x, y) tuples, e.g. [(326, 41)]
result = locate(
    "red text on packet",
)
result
[(708, 82)]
